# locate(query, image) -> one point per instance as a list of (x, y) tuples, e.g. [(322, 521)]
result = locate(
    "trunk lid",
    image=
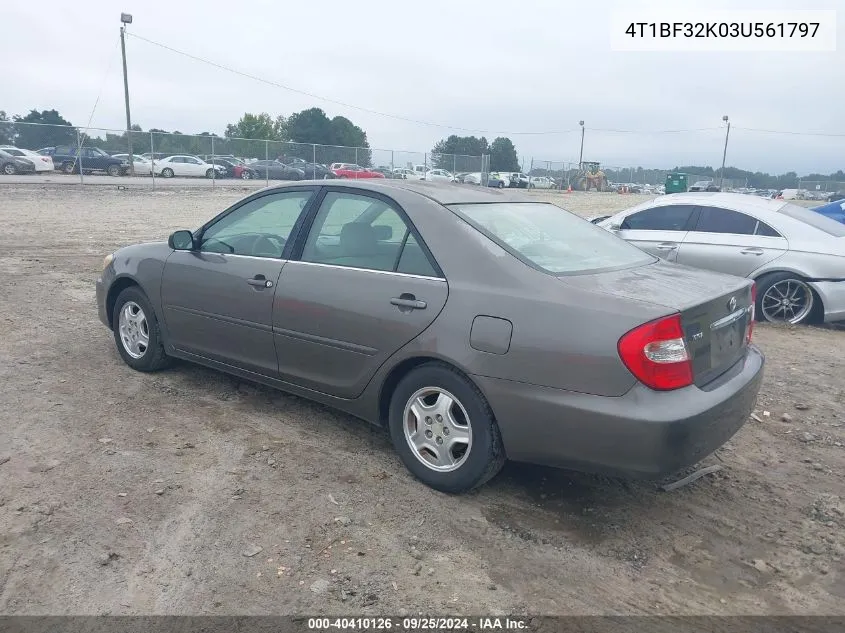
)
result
[(715, 308)]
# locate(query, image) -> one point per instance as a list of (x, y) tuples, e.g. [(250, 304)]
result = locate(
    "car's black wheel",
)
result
[(9, 169), (246, 175), (209, 173), (444, 430), (68, 167), (136, 331), (113, 170), (167, 173), (501, 185), (785, 298)]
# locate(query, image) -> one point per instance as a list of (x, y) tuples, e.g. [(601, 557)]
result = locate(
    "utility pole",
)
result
[(581, 155), (126, 18), (725, 152)]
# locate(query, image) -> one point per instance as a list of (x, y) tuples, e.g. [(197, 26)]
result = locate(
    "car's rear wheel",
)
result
[(246, 175), (167, 173), (501, 185), (444, 430), (113, 170), (784, 298), (67, 167), (209, 173), (136, 331), (9, 169)]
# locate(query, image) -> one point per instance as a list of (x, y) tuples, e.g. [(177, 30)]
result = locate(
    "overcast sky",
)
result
[(497, 66)]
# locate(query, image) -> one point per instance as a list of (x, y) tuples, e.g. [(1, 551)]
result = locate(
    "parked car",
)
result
[(405, 173), (91, 159), (387, 172), (833, 210), (187, 166), (439, 174), (473, 178), (355, 171), (41, 163), (796, 256), (704, 185), (274, 170), (459, 350), (313, 171), (517, 180), (141, 165), (497, 180), (541, 182), (11, 164), (234, 168)]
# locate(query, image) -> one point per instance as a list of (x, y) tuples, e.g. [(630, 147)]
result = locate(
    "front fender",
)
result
[(141, 265)]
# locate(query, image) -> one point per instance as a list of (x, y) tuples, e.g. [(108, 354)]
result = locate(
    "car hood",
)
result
[(660, 283)]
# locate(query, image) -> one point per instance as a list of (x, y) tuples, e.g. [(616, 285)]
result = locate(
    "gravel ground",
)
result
[(191, 492)]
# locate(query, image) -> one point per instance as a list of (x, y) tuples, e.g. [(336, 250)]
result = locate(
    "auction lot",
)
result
[(189, 491)]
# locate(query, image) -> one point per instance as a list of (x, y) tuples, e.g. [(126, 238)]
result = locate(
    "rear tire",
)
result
[(245, 175), (150, 356), (68, 167), (209, 173), (9, 169), (474, 462), (786, 298), (167, 173), (113, 170)]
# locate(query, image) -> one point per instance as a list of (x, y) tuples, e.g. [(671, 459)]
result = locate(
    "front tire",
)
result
[(136, 331), (209, 173), (785, 298), (68, 167), (444, 430), (9, 169), (245, 175), (113, 170)]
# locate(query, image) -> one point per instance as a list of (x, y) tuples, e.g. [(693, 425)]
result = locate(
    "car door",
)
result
[(218, 299), (193, 167), (730, 242), (658, 230), (363, 285)]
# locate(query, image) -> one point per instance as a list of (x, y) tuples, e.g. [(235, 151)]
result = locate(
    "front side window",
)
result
[(259, 228), (673, 217), (363, 232), (551, 239)]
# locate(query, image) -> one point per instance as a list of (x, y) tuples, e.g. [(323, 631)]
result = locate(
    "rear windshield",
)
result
[(816, 220), (550, 238)]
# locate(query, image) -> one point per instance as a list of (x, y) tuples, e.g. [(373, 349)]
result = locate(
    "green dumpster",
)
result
[(676, 183)]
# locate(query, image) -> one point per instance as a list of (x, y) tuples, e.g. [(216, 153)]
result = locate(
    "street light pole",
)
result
[(581, 155), (126, 18), (725, 152)]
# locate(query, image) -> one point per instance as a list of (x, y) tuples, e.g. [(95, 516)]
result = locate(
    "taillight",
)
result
[(749, 328), (657, 355)]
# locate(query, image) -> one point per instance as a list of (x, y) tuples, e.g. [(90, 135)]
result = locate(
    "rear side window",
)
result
[(673, 217), (766, 230), (716, 220)]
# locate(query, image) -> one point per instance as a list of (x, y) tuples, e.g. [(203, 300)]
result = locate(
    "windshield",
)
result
[(550, 238), (816, 220)]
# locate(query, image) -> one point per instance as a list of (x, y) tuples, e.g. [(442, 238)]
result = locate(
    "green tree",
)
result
[(337, 138), (53, 129), (7, 129), (257, 126), (310, 126), (503, 155), (444, 151)]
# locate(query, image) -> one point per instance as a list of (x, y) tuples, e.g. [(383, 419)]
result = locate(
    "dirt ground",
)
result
[(191, 492)]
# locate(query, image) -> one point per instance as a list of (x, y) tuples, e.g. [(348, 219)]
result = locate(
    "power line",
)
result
[(700, 129), (792, 133)]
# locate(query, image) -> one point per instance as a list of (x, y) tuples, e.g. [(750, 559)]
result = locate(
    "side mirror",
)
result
[(181, 241), (615, 226), (383, 232)]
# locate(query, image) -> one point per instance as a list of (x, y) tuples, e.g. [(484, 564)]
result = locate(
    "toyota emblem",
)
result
[(732, 304)]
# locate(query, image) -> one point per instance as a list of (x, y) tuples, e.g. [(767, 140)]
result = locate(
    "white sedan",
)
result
[(42, 163), (184, 165), (142, 166), (405, 173), (541, 182), (473, 178), (439, 174)]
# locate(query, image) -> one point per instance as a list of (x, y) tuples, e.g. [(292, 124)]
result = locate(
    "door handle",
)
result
[(408, 301), (667, 246), (752, 251), (259, 281)]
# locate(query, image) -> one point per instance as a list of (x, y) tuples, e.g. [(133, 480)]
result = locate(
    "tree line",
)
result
[(339, 140)]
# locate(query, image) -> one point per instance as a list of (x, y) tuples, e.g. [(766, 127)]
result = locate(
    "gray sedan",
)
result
[(796, 256), (474, 324)]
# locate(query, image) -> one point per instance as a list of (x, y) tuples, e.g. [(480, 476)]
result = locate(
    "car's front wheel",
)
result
[(784, 298), (136, 331), (246, 175), (113, 170), (9, 169), (444, 430), (68, 167), (209, 173)]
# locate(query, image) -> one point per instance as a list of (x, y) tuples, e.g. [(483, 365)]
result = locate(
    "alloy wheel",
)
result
[(437, 429), (134, 330), (789, 301)]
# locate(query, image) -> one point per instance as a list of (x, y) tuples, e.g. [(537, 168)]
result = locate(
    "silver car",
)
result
[(474, 325), (796, 256)]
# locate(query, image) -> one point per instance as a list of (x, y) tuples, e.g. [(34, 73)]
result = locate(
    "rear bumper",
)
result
[(832, 294), (643, 434)]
